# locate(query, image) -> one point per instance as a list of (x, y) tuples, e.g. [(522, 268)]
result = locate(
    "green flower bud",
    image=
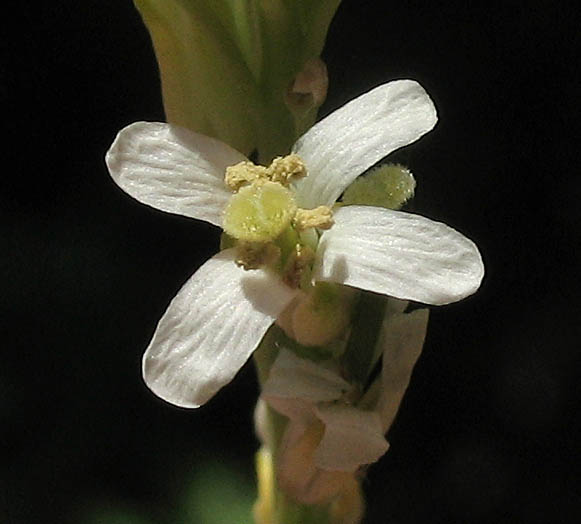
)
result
[(390, 186)]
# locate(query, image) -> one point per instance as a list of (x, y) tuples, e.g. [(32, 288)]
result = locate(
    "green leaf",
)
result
[(360, 355)]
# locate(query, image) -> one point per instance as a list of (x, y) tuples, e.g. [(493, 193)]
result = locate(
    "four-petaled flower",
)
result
[(222, 312)]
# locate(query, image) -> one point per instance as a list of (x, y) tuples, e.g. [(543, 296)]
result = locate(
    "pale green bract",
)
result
[(228, 67)]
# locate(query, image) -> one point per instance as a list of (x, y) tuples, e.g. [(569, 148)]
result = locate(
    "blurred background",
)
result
[(488, 431)]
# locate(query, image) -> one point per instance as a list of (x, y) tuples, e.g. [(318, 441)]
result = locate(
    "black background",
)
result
[(488, 431)]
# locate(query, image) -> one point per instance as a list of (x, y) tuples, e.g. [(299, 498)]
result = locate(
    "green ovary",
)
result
[(259, 212)]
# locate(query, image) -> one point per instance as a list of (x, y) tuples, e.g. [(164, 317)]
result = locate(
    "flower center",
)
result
[(259, 212), (264, 222)]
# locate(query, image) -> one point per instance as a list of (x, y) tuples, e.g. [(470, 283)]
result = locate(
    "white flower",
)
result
[(220, 315), (310, 393)]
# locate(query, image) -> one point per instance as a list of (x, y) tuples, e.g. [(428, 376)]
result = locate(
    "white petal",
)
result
[(300, 378), (210, 329), (402, 338), (353, 437), (173, 169), (356, 136), (398, 254)]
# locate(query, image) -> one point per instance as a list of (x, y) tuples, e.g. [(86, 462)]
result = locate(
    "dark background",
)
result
[(488, 431)]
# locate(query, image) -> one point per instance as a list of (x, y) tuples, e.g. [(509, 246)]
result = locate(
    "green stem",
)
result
[(285, 510), (360, 356)]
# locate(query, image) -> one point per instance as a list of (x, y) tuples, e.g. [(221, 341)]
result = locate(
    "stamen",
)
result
[(321, 217), (283, 168), (244, 173)]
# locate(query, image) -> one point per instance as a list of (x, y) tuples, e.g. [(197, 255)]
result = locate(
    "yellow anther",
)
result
[(283, 168), (321, 217), (244, 173)]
